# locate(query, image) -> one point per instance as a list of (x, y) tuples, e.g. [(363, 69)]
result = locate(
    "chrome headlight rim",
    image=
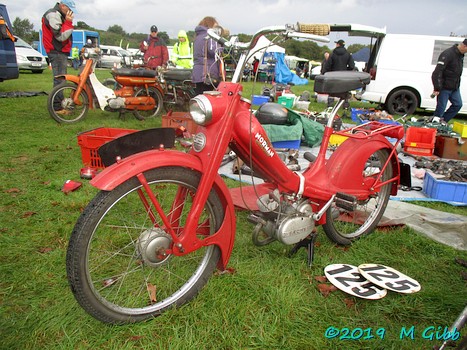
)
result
[(201, 110)]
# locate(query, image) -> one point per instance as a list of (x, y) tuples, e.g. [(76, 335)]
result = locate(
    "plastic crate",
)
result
[(444, 190), (420, 141), (289, 144), (90, 141), (286, 101), (336, 140), (355, 114), (460, 128), (179, 119), (258, 100)]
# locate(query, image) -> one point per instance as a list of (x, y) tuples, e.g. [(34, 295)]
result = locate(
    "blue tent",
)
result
[(283, 73), (362, 55)]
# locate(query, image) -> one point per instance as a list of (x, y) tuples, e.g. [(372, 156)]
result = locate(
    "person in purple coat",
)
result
[(206, 60)]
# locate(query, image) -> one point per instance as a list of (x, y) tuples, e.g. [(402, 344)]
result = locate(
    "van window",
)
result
[(440, 46)]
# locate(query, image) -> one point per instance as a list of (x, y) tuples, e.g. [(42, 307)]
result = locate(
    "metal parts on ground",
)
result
[(453, 170)]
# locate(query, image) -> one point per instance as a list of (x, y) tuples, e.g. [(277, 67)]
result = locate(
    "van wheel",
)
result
[(402, 102)]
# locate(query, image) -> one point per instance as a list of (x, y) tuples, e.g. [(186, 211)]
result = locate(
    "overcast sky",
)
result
[(247, 16)]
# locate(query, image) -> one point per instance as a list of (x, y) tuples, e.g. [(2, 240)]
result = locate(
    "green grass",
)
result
[(271, 301)]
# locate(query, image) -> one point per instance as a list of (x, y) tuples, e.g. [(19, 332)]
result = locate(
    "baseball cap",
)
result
[(340, 42), (70, 4), (153, 29)]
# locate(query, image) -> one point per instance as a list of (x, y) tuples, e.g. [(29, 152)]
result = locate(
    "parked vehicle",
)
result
[(28, 58), (164, 220), (114, 56), (80, 38), (401, 66), (8, 64), (138, 92), (178, 88)]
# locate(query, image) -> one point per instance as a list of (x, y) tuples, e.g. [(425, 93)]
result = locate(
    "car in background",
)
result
[(114, 56), (28, 58)]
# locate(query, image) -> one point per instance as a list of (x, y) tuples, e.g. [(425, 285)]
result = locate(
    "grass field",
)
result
[(268, 301)]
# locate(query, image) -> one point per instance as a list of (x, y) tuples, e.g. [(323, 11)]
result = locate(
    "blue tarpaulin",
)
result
[(283, 73)]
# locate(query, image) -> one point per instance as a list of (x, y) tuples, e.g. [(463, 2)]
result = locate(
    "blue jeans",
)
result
[(59, 63), (454, 96)]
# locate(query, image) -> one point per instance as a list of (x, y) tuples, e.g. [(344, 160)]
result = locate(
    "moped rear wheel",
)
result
[(343, 226), (116, 262), (157, 96), (61, 106)]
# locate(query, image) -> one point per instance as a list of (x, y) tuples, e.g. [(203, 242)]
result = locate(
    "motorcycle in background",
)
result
[(164, 219), (133, 90), (178, 88)]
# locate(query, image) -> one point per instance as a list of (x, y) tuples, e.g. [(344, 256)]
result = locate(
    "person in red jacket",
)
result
[(155, 50), (57, 27)]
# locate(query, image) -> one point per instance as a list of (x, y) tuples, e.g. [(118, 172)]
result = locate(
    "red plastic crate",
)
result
[(91, 140), (420, 141), (179, 119)]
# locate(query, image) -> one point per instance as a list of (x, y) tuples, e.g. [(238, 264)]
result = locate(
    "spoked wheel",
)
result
[(344, 226), (61, 106), (157, 96), (117, 264), (177, 101)]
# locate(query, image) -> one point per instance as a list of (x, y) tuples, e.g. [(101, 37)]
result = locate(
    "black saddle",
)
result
[(178, 74), (130, 72), (341, 82)]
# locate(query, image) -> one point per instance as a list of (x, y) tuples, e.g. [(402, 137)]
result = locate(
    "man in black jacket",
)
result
[(340, 59), (446, 80)]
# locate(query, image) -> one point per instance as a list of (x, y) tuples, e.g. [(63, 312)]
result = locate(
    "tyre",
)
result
[(61, 106), (402, 102), (344, 226), (116, 263), (111, 84), (178, 100), (157, 96)]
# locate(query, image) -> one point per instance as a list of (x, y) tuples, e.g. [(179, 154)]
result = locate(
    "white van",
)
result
[(401, 66)]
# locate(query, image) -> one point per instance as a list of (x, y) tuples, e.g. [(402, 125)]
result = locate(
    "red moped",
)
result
[(164, 220)]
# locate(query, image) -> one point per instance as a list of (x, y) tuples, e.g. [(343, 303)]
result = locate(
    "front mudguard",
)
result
[(87, 90), (348, 160), (138, 163)]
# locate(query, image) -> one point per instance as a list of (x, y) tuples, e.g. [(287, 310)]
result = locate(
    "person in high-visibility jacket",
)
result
[(182, 54)]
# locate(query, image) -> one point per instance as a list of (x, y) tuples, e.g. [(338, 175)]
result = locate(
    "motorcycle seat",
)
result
[(178, 74), (340, 82), (141, 72)]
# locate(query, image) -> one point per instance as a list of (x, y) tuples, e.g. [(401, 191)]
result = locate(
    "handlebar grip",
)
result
[(316, 29)]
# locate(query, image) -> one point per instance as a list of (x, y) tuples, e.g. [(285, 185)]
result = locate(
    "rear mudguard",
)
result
[(138, 163), (348, 160)]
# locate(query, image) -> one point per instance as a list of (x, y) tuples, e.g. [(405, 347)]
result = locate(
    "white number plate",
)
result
[(389, 278), (348, 279), (36, 64)]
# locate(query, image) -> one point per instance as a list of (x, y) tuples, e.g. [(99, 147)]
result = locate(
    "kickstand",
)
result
[(309, 244)]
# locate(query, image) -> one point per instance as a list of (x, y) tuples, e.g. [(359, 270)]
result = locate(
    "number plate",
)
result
[(389, 278), (348, 279), (36, 64)]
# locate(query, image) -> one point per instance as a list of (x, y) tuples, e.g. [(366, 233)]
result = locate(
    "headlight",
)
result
[(21, 58), (201, 110)]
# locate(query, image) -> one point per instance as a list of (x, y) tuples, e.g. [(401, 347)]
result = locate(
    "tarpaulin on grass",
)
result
[(21, 94)]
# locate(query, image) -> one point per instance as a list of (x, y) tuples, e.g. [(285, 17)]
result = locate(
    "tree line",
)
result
[(116, 35)]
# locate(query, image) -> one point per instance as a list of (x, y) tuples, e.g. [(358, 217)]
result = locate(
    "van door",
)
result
[(8, 64)]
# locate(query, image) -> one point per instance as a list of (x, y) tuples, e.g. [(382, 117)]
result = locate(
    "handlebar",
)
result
[(315, 32)]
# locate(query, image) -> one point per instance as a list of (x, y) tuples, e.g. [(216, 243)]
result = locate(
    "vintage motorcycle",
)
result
[(135, 90), (164, 220), (178, 88)]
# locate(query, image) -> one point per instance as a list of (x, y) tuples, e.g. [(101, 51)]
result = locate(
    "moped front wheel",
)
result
[(117, 265), (157, 96), (62, 107), (344, 226)]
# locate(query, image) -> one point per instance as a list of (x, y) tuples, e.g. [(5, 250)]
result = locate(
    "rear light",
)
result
[(373, 73)]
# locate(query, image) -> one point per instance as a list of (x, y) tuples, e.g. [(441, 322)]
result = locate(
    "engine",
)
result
[(288, 221), (116, 103)]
